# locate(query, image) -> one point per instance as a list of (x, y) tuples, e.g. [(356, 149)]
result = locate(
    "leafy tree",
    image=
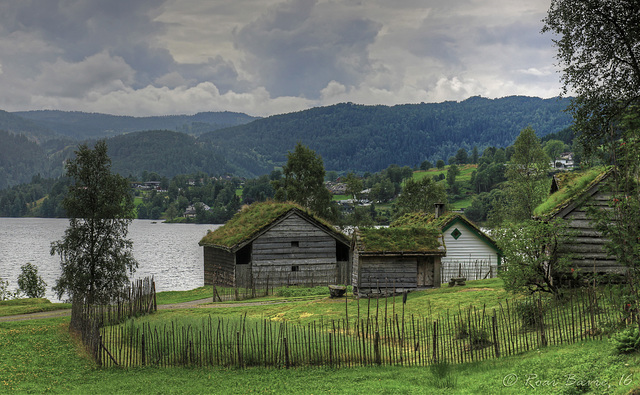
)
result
[(426, 165), (475, 155), (95, 254), (526, 175), (303, 181), (382, 191), (452, 173), (30, 283), (598, 43), (440, 164), (553, 149), (462, 156), (532, 258), (420, 196), (355, 185)]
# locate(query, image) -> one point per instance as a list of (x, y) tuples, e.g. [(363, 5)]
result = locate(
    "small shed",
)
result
[(396, 259), (571, 203), (273, 244), (471, 253)]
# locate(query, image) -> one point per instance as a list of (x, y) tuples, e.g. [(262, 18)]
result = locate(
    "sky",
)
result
[(265, 57)]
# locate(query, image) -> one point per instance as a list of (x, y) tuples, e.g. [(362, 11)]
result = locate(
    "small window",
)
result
[(456, 233), (295, 244), (295, 268)]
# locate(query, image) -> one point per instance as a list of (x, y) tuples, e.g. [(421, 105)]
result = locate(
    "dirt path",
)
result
[(202, 303)]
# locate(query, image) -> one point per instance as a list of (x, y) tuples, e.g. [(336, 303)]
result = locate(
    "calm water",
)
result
[(168, 252)]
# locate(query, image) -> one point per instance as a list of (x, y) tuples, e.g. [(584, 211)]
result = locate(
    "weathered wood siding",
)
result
[(467, 250), (587, 246), (387, 272), (219, 267), (294, 252)]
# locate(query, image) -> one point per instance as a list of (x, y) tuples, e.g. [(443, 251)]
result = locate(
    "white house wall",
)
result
[(468, 250)]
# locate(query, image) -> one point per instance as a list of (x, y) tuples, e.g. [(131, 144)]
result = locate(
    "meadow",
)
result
[(43, 356)]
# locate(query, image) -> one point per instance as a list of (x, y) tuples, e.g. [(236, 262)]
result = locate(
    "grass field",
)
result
[(42, 356)]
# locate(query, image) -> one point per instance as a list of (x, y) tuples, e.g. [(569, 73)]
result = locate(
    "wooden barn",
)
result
[(471, 253), (570, 203), (396, 259), (272, 244)]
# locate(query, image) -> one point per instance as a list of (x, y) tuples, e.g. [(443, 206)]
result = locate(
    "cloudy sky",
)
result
[(263, 57)]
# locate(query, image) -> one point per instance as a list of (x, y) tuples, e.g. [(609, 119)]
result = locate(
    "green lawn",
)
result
[(27, 306), (42, 356)]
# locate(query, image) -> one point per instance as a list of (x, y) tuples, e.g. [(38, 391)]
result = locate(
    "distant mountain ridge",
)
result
[(349, 137), (370, 138), (81, 125)]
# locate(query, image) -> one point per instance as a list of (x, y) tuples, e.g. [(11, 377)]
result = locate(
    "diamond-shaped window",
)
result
[(456, 233)]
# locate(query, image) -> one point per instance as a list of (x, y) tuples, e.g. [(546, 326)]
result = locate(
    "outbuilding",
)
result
[(396, 259), (272, 244)]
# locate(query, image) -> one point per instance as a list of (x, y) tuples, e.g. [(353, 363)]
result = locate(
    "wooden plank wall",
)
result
[(588, 245), (387, 272), (219, 267), (294, 252)]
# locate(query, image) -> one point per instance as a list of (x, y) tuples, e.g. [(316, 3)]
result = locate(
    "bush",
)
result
[(30, 283), (530, 313), (627, 341)]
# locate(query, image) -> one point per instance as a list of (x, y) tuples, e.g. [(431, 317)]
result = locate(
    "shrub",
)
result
[(627, 341), (30, 283), (530, 313)]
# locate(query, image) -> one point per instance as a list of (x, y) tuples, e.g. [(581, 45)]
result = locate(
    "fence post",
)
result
[(144, 360), (495, 334), (376, 348), (240, 364), (543, 337), (286, 352), (435, 341)]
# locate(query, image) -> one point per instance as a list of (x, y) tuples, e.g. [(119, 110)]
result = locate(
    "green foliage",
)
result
[(527, 176), (30, 283), (531, 312), (532, 257), (303, 181), (420, 196), (597, 49), (627, 341), (95, 254), (5, 294)]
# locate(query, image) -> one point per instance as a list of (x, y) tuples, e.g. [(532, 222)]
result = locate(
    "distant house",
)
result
[(396, 259), (564, 161), (570, 202), (191, 210), (471, 253), (275, 244)]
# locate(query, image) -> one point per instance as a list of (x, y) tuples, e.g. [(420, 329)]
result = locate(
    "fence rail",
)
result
[(469, 334)]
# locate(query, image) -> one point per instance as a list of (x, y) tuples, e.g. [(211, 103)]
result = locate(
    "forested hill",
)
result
[(166, 153), (369, 138), (83, 126)]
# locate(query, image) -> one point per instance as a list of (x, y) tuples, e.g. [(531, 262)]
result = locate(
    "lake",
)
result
[(168, 252)]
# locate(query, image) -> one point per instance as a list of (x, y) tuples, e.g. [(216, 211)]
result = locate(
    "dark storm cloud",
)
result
[(298, 47)]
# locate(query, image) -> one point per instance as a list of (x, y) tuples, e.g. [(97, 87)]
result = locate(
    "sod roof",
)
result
[(252, 220), (415, 239), (574, 187), (442, 223)]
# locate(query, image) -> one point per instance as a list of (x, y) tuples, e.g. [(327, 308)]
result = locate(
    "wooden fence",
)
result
[(468, 334), (88, 319), (471, 270)]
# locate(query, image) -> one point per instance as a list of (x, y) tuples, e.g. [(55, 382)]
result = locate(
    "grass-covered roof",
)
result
[(421, 218), (415, 239), (572, 187), (249, 222)]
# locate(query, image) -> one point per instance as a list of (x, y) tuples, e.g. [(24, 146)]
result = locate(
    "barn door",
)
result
[(425, 272)]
